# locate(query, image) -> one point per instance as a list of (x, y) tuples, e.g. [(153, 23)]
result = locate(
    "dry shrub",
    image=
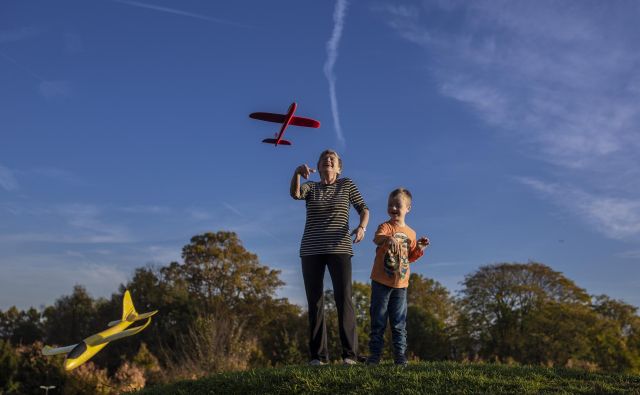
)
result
[(88, 379), (211, 344), (145, 359), (581, 364), (129, 377), (149, 364)]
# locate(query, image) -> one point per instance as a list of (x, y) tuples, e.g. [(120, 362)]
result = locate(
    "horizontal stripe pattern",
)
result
[(326, 230)]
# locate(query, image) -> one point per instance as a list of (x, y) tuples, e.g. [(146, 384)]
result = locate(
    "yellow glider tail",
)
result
[(129, 313), (127, 307)]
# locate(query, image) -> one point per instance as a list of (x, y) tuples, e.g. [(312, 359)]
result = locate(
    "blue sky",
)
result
[(125, 131)]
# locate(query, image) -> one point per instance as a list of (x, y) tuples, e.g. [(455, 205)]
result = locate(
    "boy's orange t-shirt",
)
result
[(390, 269)]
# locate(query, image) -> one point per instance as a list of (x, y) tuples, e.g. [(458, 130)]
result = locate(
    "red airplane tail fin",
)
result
[(274, 141)]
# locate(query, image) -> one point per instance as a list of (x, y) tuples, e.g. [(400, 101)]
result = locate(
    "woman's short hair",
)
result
[(330, 152)]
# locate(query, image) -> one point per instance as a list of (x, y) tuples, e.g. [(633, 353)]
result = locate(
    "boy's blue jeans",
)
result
[(388, 303)]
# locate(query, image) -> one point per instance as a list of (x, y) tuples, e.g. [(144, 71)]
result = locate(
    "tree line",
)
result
[(218, 311)]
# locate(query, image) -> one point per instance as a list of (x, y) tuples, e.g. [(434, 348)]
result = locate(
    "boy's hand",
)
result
[(305, 171), (393, 244), (423, 242)]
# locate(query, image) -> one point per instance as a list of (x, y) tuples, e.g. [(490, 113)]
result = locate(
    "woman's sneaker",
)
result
[(316, 362), (349, 361)]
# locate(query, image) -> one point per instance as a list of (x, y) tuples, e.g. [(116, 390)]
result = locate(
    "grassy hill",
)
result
[(423, 377)]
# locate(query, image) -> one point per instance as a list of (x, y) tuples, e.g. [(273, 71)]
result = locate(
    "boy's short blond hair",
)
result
[(401, 191)]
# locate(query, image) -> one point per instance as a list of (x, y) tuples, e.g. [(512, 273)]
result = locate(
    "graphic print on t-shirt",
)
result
[(398, 261)]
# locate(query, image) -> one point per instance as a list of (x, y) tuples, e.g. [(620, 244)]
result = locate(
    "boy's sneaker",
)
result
[(316, 362), (372, 362), (349, 361), (400, 360)]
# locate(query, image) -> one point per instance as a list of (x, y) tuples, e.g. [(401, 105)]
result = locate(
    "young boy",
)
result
[(397, 247)]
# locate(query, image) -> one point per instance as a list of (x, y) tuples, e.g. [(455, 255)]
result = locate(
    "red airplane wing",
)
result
[(273, 141), (267, 116), (307, 122)]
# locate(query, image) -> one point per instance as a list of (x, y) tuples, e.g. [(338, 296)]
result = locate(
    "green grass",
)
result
[(423, 377)]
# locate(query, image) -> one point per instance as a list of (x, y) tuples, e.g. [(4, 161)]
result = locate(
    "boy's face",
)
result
[(398, 207)]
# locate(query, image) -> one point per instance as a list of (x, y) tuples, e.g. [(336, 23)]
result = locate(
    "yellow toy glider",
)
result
[(77, 354)]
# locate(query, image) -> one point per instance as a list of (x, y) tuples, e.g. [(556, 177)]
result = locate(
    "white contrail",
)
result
[(178, 12), (332, 54)]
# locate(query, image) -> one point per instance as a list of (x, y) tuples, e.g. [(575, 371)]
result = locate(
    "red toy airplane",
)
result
[(286, 120)]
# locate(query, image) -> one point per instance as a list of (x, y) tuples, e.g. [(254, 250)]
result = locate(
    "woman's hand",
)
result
[(304, 171), (358, 233)]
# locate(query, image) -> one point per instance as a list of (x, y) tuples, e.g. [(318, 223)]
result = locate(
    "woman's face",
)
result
[(329, 163)]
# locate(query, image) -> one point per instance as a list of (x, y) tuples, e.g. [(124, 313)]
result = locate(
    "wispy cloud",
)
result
[(54, 89), (246, 222), (57, 174), (22, 67), (616, 218), (87, 218), (558, 79), (23, 33), (146, 209), (73, 223), (7, 180), (405, 19), (76, 223), (566, 83), (339, 14), (46, 88), (39, 280), (447, 264), (98, 245), (179, 12), (73, 43), (198, 214), (633, 254), (163, 254), (483, 98)]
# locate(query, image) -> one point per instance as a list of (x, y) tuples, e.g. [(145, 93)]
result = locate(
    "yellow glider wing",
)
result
[(97, 340), (59, 350), (145, 315), (132, 318)]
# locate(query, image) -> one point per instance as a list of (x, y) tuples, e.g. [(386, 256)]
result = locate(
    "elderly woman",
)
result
[(326, 243)]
